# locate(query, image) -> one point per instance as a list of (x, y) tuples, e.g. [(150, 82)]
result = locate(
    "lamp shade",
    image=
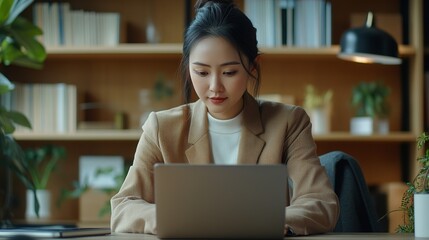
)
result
[(369, 44)]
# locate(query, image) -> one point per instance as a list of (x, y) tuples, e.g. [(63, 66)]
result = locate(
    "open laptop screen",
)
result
[(220, 201)]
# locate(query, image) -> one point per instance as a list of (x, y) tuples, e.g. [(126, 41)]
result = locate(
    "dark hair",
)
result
[(221, 19)]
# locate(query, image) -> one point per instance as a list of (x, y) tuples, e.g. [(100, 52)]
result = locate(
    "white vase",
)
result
[(362, 125), (421, 215), (44, 198), (320, 120)]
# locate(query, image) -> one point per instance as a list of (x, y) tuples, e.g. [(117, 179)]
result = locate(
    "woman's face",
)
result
[(218, 77)]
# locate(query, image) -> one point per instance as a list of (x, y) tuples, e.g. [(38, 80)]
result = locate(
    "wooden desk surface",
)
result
[(330, 236)]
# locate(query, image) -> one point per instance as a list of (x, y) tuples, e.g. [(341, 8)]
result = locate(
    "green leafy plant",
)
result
[(370, 99), (18, 46), (420, 184), (313, 99), (41, 162)]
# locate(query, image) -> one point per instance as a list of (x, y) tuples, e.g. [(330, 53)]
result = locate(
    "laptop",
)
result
[(220, 201), (52, 232)]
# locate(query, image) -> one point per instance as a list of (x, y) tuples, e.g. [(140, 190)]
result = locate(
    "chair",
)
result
[(357, 209)]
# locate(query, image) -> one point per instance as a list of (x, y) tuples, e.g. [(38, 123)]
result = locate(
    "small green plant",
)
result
[(370, 99), (41, 162), (420, 184), (313, 99)]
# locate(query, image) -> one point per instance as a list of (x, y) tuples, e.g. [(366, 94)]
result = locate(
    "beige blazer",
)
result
[(271, 133)]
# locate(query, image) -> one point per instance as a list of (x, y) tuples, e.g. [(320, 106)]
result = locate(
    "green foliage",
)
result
[(41, 162), (314, 100), (18, 43), (19, 46), (370, 99), (420, 184)]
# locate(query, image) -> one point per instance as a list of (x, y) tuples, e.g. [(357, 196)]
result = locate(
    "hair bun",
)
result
[(201, 3)]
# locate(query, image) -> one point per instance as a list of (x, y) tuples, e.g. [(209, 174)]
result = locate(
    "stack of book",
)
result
[(301, 23), (51, 108), (63, 26)]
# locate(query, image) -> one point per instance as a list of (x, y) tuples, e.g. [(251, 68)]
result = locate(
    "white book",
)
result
[(25, 104), (61, 108), (46, 24), (328, 24), (38, 19), (37, 107), (111, 28), (92, 28), (72, 108), (67, 24), (54, 23), (46, 106)]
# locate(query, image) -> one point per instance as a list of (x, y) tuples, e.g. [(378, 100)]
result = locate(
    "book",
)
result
[(52, 232)]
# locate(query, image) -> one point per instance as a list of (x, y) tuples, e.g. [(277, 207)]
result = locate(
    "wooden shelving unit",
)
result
[(114, 75)]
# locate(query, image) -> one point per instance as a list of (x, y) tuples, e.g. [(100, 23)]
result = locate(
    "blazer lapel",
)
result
[(199, 152), (251, 145)]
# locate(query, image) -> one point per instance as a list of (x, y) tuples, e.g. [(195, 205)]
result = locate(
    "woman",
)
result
[(227, 126)]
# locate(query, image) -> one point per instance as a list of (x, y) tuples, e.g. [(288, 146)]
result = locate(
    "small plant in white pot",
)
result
[(415, 201), (372, 108), (40, 163), (318, 107)]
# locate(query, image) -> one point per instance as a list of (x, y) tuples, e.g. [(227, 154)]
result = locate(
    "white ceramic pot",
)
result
[(320, 120), (44, 198), (362, 125), (421, 215)]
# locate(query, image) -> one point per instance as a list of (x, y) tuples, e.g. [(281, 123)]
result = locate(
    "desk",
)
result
[(329, 236)]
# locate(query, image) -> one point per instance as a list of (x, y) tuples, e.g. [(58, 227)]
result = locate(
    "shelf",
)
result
[(175, 50), (134, 134), (125, 50), (84, 135), (346, 136)]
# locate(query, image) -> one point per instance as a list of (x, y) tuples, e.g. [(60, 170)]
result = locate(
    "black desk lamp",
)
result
[(369, 44)]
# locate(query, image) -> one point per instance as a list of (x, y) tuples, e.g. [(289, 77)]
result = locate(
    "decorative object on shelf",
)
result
[(372, 110), (152, 35), (90, 109), (318, 107), (369, 44), (40, 163), (20, 47), (415, 201)]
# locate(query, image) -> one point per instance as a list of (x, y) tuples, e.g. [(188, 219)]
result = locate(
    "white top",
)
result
[(225, 137)]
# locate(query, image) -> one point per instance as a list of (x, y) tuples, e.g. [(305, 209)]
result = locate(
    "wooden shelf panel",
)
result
[(83, 135), (134, 134), (346, 136), (125, 50), (175, 50)]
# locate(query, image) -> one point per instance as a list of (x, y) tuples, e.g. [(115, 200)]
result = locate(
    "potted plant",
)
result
[(415, 201), (41, 162), (19, 46), (318, 107), (372, 109)]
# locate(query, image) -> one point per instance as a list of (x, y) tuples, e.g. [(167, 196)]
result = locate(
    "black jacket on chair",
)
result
[(357, 209)]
